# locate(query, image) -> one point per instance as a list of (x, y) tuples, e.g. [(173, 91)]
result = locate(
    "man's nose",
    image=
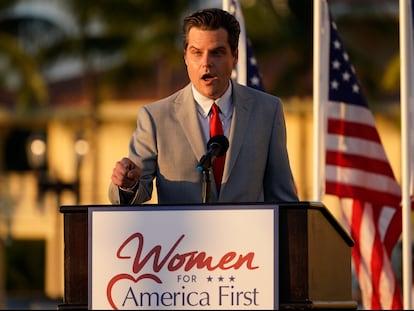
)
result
[(207, 59)]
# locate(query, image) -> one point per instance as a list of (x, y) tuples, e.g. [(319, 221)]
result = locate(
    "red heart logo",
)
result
[(125, 276)]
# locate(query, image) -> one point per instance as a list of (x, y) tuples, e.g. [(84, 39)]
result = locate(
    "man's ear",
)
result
[(236, 57), (185, 59)]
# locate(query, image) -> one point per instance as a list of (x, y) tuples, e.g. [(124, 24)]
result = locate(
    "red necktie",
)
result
[(216, 128)]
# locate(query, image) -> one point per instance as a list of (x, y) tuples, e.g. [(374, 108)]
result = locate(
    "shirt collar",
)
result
[(205, 103)]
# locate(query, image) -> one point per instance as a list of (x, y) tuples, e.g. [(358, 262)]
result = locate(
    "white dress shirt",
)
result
[(204, 106)]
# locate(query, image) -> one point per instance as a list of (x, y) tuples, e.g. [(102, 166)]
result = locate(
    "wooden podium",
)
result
[(314, 258)]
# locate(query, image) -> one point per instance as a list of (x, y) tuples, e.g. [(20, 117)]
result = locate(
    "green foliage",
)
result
[(31, 87), (391, 78)]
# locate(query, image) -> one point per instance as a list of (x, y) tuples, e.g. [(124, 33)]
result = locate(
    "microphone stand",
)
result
[(206, 185), (216, 147)]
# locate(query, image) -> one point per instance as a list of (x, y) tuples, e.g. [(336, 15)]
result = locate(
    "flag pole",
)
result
[(406, 97), (316, 99), (320, 93)]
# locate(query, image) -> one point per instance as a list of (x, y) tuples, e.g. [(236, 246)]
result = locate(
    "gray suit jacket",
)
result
[(168, 144)]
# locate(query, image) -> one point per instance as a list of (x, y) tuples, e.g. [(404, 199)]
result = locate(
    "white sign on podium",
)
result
[(183, 257)]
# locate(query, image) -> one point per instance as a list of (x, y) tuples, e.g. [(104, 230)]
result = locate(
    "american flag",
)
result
[(358, 172), (253, 76)]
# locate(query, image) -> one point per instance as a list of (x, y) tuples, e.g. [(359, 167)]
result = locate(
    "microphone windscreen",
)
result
[(220, 140)]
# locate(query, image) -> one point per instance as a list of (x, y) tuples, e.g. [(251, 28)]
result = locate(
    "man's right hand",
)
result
[(126, 174)]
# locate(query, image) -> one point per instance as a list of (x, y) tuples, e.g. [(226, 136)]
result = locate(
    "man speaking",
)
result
[(172, 133)]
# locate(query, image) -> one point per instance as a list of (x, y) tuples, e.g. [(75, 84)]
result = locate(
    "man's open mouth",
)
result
[(207, 77)]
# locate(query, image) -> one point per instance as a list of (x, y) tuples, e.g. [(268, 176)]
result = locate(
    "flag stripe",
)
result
[(353, 129), (360, 162), (346, 191), (350, 113), (355, 146), (358, 178), (372, 267)]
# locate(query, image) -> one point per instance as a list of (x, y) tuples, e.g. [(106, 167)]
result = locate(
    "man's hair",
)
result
[(213, 19)]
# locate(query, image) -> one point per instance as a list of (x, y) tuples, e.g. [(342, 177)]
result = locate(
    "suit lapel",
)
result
[(242, 104), (186, 113)]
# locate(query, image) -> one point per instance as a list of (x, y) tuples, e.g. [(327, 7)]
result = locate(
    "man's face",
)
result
[(209, 61)]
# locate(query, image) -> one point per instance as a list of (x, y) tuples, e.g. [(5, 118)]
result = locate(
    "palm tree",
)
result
[(137, 38), (19, 72)]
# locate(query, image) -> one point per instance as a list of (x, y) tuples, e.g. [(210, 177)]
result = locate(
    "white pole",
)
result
[(317, 100), (405, 68), (226, 5)]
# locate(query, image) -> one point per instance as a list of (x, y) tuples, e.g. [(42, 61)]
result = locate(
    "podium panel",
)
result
[(184, 257), (75, 230), (314, 257)]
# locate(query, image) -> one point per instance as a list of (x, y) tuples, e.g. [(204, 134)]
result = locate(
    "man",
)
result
[(172, 133)]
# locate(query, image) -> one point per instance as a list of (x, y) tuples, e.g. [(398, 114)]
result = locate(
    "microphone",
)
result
[(216, 147)]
